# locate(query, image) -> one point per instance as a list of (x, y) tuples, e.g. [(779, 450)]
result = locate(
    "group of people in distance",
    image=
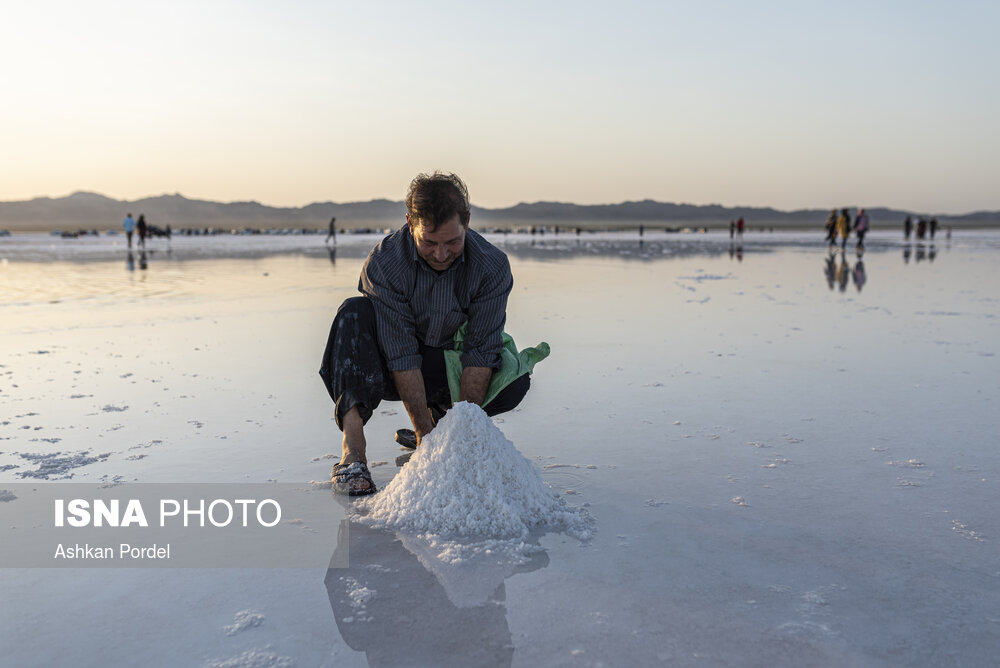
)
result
[(736, 226), (923, 228), (840, 225), (132, 226)]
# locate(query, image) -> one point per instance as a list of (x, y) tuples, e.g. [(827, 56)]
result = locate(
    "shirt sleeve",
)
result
[(487, 315), (393, 315)]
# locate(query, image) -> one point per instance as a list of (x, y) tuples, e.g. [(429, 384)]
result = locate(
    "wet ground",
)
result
[(790, 454)]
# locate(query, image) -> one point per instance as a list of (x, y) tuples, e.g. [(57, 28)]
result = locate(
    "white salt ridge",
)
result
[(467, 479)]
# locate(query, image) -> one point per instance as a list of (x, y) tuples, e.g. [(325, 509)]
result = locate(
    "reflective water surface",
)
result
[(790, 453)]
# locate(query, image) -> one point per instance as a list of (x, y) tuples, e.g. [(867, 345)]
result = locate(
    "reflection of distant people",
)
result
[(860, 278), (130, 261), (129, 226), (861, 227), (843, 273), (830, 269), (844, 227), (332, 233), (142, 229), (907, 228)]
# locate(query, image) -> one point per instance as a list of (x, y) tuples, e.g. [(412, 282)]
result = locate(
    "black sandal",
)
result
[(406, 438), (345, 474)]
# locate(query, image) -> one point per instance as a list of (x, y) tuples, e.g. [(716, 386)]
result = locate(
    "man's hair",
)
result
[(433, 199)]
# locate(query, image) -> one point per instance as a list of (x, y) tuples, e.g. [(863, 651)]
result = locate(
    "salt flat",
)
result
[(790, 460)]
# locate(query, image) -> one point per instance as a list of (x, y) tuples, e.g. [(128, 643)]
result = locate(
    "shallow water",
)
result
[(790, 461)]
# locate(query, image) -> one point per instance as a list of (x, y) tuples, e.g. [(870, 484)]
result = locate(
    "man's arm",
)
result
[(475, 382), (410, 386)]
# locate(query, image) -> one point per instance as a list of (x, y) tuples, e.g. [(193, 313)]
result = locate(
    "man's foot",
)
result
[(353, 479)]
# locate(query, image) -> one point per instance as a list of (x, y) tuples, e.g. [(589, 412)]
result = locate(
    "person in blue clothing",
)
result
[(129, 226)]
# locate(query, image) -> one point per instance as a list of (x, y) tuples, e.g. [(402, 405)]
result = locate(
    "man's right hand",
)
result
[(410, 386)]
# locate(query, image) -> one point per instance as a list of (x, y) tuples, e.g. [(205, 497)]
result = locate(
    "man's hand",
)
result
[(410, 386), (475, 382)]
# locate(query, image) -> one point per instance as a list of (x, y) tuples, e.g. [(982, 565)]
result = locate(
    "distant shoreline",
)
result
[(89, 211)]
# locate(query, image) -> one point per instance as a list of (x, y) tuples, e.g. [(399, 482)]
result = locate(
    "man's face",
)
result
[(442, 246)]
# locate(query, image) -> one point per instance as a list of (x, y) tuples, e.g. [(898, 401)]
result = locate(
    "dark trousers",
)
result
[(356, 374)]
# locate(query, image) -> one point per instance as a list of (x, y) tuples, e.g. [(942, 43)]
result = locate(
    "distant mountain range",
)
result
[(84, 210)]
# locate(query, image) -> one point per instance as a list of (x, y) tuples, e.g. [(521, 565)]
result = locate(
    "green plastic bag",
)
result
[(514, 364)]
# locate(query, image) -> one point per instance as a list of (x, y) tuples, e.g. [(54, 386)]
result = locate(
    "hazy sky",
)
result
[(791, 104)]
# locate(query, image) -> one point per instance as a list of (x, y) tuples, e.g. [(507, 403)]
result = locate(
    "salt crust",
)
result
[(466, 480)]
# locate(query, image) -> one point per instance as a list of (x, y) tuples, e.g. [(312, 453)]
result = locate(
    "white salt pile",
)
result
[(467, 479)]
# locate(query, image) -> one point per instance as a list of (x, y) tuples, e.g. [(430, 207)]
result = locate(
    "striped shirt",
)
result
[(414, 304)]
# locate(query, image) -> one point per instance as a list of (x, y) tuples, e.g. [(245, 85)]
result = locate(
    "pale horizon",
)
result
[(777, 105)]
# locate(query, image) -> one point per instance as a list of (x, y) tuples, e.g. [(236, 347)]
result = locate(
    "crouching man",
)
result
[(427, 329)]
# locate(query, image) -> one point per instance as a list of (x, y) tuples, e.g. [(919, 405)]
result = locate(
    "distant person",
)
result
[(642, 228), (933, 225), (732, 228), (739, 227), (921, 228), (831, 228), (861, 227), (142, 229), (129, 226), (907, 228), (844, 227), (332, 233)]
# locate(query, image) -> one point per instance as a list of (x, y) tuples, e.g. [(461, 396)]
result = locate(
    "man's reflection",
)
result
[(390, 606), (333, 253)]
